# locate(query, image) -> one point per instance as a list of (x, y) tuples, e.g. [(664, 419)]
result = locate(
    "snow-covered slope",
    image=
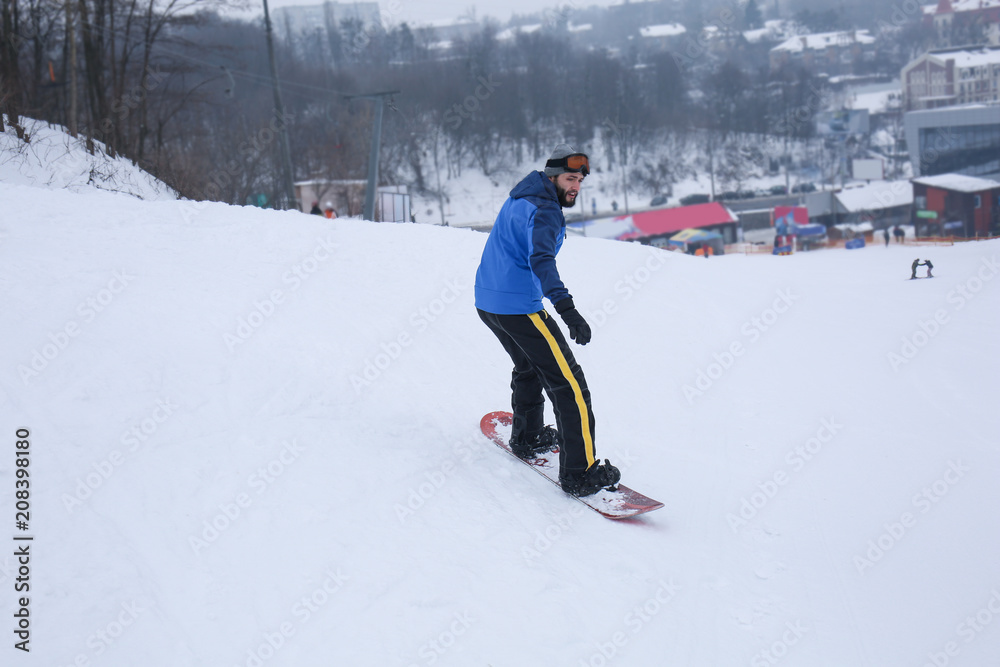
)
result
[(51, 158), (254, 441)]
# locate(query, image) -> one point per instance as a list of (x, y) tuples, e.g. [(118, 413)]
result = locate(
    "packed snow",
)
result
[(253, 441)]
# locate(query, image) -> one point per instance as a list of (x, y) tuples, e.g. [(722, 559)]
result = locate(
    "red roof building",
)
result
[(656, 226), (665, 222), (962, 21), (956, 205)]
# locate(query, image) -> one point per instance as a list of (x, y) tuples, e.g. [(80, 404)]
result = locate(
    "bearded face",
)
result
[(567, 188)]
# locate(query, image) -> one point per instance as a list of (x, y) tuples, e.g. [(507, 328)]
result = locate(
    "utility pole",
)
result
[(379, 98), (279, 112), (624, 138), (71, 74)]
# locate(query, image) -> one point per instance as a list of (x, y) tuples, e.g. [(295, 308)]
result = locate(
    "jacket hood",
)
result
[(537, 188)]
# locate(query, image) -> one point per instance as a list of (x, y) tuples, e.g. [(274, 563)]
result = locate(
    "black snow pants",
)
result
[(542, 360)]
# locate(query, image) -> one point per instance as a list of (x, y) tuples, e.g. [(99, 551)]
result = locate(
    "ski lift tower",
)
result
[(379, 98)]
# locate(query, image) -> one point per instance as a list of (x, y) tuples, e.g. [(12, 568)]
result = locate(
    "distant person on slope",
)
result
[(517, 269)]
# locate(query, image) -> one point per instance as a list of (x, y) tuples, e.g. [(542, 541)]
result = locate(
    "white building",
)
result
[(827, 52), (945, 77)]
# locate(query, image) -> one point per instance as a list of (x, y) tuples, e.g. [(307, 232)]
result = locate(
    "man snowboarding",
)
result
[(517, 269)]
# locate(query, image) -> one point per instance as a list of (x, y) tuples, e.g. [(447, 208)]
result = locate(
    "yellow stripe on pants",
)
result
[(588, 440)]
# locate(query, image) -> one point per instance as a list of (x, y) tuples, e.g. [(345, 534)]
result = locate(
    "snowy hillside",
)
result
[(253, 440), (51, 158)]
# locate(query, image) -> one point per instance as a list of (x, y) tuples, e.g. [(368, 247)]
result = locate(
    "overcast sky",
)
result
[(417, 11)]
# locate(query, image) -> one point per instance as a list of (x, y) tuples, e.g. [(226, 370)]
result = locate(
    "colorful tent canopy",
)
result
[(693, 236)]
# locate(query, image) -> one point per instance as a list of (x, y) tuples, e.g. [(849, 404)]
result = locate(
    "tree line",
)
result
[(186, 93)]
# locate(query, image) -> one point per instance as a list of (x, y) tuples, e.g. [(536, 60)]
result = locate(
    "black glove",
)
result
[(579, 330)]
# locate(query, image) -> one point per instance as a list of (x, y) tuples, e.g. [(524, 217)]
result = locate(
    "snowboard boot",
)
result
[(528, 447), (588, 482)]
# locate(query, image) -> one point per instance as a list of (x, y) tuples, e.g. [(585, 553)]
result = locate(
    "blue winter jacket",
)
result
[(518, 266)]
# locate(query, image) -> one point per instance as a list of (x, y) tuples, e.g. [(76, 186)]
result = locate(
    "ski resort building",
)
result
[(963, 139), (946, 77), (879, 203), (956, 205)]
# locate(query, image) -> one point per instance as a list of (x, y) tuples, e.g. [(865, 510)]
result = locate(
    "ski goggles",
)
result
[(577, 163)]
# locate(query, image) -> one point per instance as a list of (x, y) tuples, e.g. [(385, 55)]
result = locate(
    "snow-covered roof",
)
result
[(974, 58), (963, 6), (580, 28), (875, 101), (824, 40), (958, 182), (774, 29), (444, 23), (511, 33), (663, 30), (875, 196), (984, 56)]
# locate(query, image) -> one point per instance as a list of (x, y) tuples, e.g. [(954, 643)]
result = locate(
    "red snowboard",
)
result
[(622, 503)]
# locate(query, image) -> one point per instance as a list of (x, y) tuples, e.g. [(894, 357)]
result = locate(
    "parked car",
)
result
[(727, 196), (659, 200), (803, 187), (695, 199), (778, 190)]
